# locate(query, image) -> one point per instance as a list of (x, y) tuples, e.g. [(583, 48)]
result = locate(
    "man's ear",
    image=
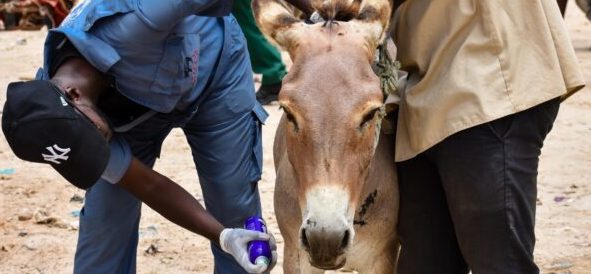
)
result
[(72, 93)]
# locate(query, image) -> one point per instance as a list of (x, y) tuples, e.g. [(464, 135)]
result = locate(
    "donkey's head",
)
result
[(333, 106)]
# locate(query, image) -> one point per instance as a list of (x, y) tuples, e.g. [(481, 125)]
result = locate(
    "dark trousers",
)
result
[(468, 203)]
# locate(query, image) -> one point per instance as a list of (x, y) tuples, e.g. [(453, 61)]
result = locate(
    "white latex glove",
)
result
[(234, 241), (316, 18), (273, 246)]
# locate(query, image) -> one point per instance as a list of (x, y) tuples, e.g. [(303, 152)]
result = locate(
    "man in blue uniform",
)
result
[(160, 65), (47, 123), (191, 72)]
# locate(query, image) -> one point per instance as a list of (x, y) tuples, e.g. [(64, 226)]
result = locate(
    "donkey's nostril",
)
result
[(304, 239), (346, 239)]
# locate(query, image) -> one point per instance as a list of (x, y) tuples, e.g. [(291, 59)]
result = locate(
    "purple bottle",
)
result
[(259, 252)]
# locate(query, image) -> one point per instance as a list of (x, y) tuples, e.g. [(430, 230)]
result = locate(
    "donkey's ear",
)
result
[(374, 18), (276, 20)]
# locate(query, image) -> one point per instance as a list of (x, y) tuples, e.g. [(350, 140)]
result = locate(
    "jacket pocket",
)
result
[(260, 115), (190, 61), (169, 69), (177, 70)]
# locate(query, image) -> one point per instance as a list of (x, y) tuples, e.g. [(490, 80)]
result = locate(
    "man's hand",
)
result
[(235, 242), (314, 18), (273, 246)]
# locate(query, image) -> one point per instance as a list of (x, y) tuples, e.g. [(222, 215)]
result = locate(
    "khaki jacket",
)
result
[(473, 61)]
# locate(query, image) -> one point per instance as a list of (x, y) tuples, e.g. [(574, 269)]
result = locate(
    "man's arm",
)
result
[(163, 15), (177, 205), (170, 200)]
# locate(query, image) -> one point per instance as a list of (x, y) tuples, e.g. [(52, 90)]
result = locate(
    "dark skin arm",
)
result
[(83, 84), (170, 200)]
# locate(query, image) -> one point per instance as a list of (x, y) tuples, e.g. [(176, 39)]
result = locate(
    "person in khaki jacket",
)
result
[(486, 78)]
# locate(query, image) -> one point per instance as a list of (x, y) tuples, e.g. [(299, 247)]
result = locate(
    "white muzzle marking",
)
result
[(327, 208)]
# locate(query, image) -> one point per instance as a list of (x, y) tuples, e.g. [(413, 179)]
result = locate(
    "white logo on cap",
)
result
[(54, 157), (64, 103)]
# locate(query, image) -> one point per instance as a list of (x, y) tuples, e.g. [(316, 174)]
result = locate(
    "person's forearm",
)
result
[(170, 200)]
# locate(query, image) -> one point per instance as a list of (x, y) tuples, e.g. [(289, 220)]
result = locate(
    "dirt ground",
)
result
[(38, 209)]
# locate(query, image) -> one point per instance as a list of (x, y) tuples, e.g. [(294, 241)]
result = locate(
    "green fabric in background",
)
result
[(265, 58)]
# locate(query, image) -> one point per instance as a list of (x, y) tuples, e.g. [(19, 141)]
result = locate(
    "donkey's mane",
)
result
[(337, 10)]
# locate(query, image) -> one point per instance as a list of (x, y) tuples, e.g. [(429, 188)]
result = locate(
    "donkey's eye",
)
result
[(368, 117), (291, 119)]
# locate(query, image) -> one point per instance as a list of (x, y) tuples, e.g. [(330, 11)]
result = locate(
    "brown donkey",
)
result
[(336, 197)]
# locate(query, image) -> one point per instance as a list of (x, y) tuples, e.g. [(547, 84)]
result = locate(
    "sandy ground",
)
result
[(38, 209)]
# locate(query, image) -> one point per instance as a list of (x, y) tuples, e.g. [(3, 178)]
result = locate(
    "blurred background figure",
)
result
[(265, 58), (584, 5), (33, 14)]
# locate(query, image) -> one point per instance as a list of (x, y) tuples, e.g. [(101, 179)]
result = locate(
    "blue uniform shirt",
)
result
[(119, 160), (160, 53)]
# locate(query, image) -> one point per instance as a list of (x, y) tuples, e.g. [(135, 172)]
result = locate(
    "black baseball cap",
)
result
[(41, 125)]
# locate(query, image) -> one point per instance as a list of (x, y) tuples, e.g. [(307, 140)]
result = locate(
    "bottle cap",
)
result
[(261, 260)]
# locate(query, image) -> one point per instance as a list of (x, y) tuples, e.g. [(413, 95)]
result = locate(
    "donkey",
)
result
[(336, 192)]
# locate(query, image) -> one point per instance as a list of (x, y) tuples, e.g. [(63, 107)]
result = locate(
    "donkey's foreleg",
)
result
[(384, 261)]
